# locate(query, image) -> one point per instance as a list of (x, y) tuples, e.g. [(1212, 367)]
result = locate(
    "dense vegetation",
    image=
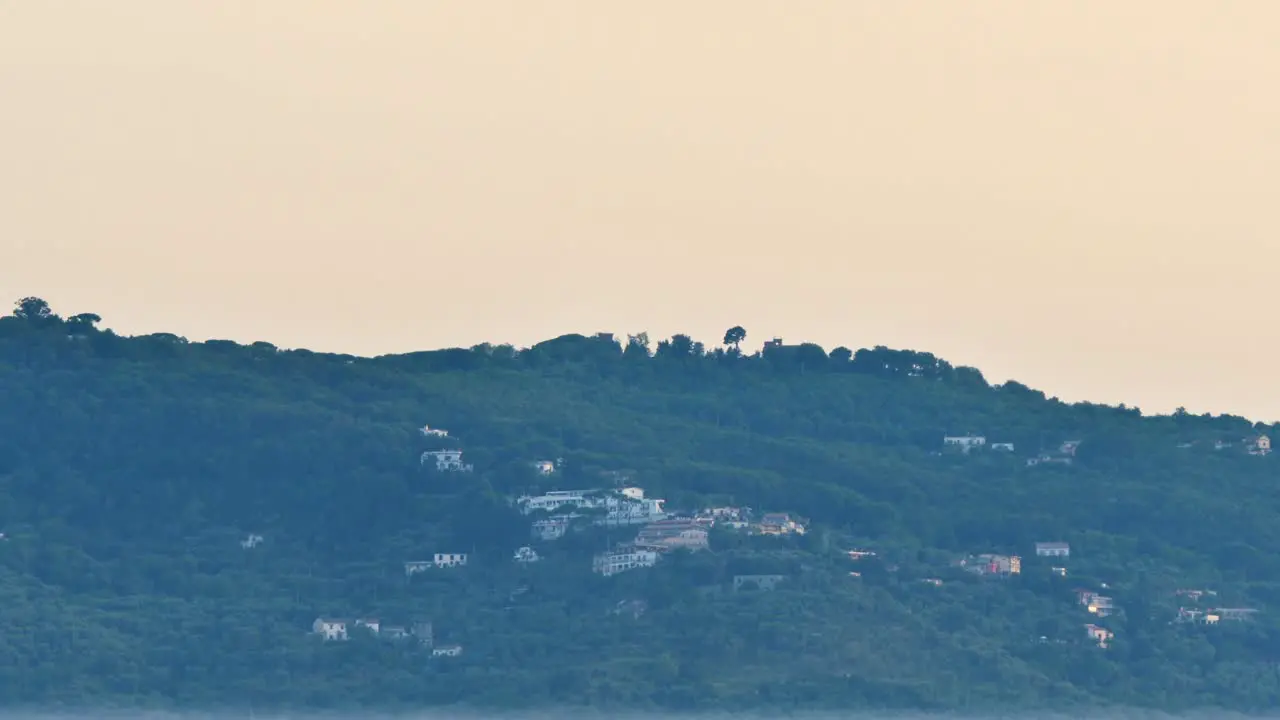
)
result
[(131, 469)]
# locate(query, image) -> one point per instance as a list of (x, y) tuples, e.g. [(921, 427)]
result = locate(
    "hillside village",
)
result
[(617, 527), (661, 531)]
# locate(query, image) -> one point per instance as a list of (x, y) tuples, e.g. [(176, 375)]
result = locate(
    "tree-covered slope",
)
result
[(131, 470)]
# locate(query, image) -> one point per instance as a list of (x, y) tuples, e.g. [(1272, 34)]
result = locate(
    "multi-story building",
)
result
[(622, 559), (445, 460)]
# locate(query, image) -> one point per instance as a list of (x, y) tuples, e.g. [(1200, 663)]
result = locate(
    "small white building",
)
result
[(371, 624), (1053, 549), (553, 500), (446, 651), (252, 541), (526, 555), (445, 460), (965, 443), (429, 431), (443, 560), (1258, 445), (1002, 447), (623, 559), (330, 628), (544, 467)]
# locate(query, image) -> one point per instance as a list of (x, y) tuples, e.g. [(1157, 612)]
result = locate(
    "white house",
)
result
[(446, 651), (633, 511), (445, 460), (553, 500), (252, 541), (1053, 549), (429, 431), (544, 467), (622, 559), (1259, 445), (627, 506), (330, 628), (373, 625), (1002, 447), (450, 560), (964, 442), (526, 555)]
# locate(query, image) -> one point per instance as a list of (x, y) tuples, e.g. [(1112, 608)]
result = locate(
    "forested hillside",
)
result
[(176, 516)]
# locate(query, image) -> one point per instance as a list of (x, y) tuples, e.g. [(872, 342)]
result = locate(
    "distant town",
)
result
[(661, 530)]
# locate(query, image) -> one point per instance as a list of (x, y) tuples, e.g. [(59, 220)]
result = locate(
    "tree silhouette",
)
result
[(734, 336), (33, 308)]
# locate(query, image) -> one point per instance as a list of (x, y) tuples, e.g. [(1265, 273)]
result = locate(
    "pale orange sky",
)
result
[(1080, 195)]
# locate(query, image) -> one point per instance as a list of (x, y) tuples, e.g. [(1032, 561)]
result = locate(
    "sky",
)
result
[(1080, 196)]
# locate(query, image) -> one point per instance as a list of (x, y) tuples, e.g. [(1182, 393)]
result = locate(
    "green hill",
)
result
[(177, 515)]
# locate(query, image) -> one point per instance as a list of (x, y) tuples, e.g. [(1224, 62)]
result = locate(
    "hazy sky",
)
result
[(1081, 195)]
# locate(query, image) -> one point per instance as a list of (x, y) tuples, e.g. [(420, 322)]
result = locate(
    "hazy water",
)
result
[(597, 715)]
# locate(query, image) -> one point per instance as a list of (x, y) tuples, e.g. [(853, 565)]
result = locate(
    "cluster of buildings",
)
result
[(1209, 615), (611, 508), (661, 532), (1064, 454), (687, 533), (340, 630), (995, 564), (1259, 445)]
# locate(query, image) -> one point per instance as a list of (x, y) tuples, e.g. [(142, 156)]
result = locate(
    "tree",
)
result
[(84, 322), (734, 336), (679, 346), (637, 346), (33, 308)]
